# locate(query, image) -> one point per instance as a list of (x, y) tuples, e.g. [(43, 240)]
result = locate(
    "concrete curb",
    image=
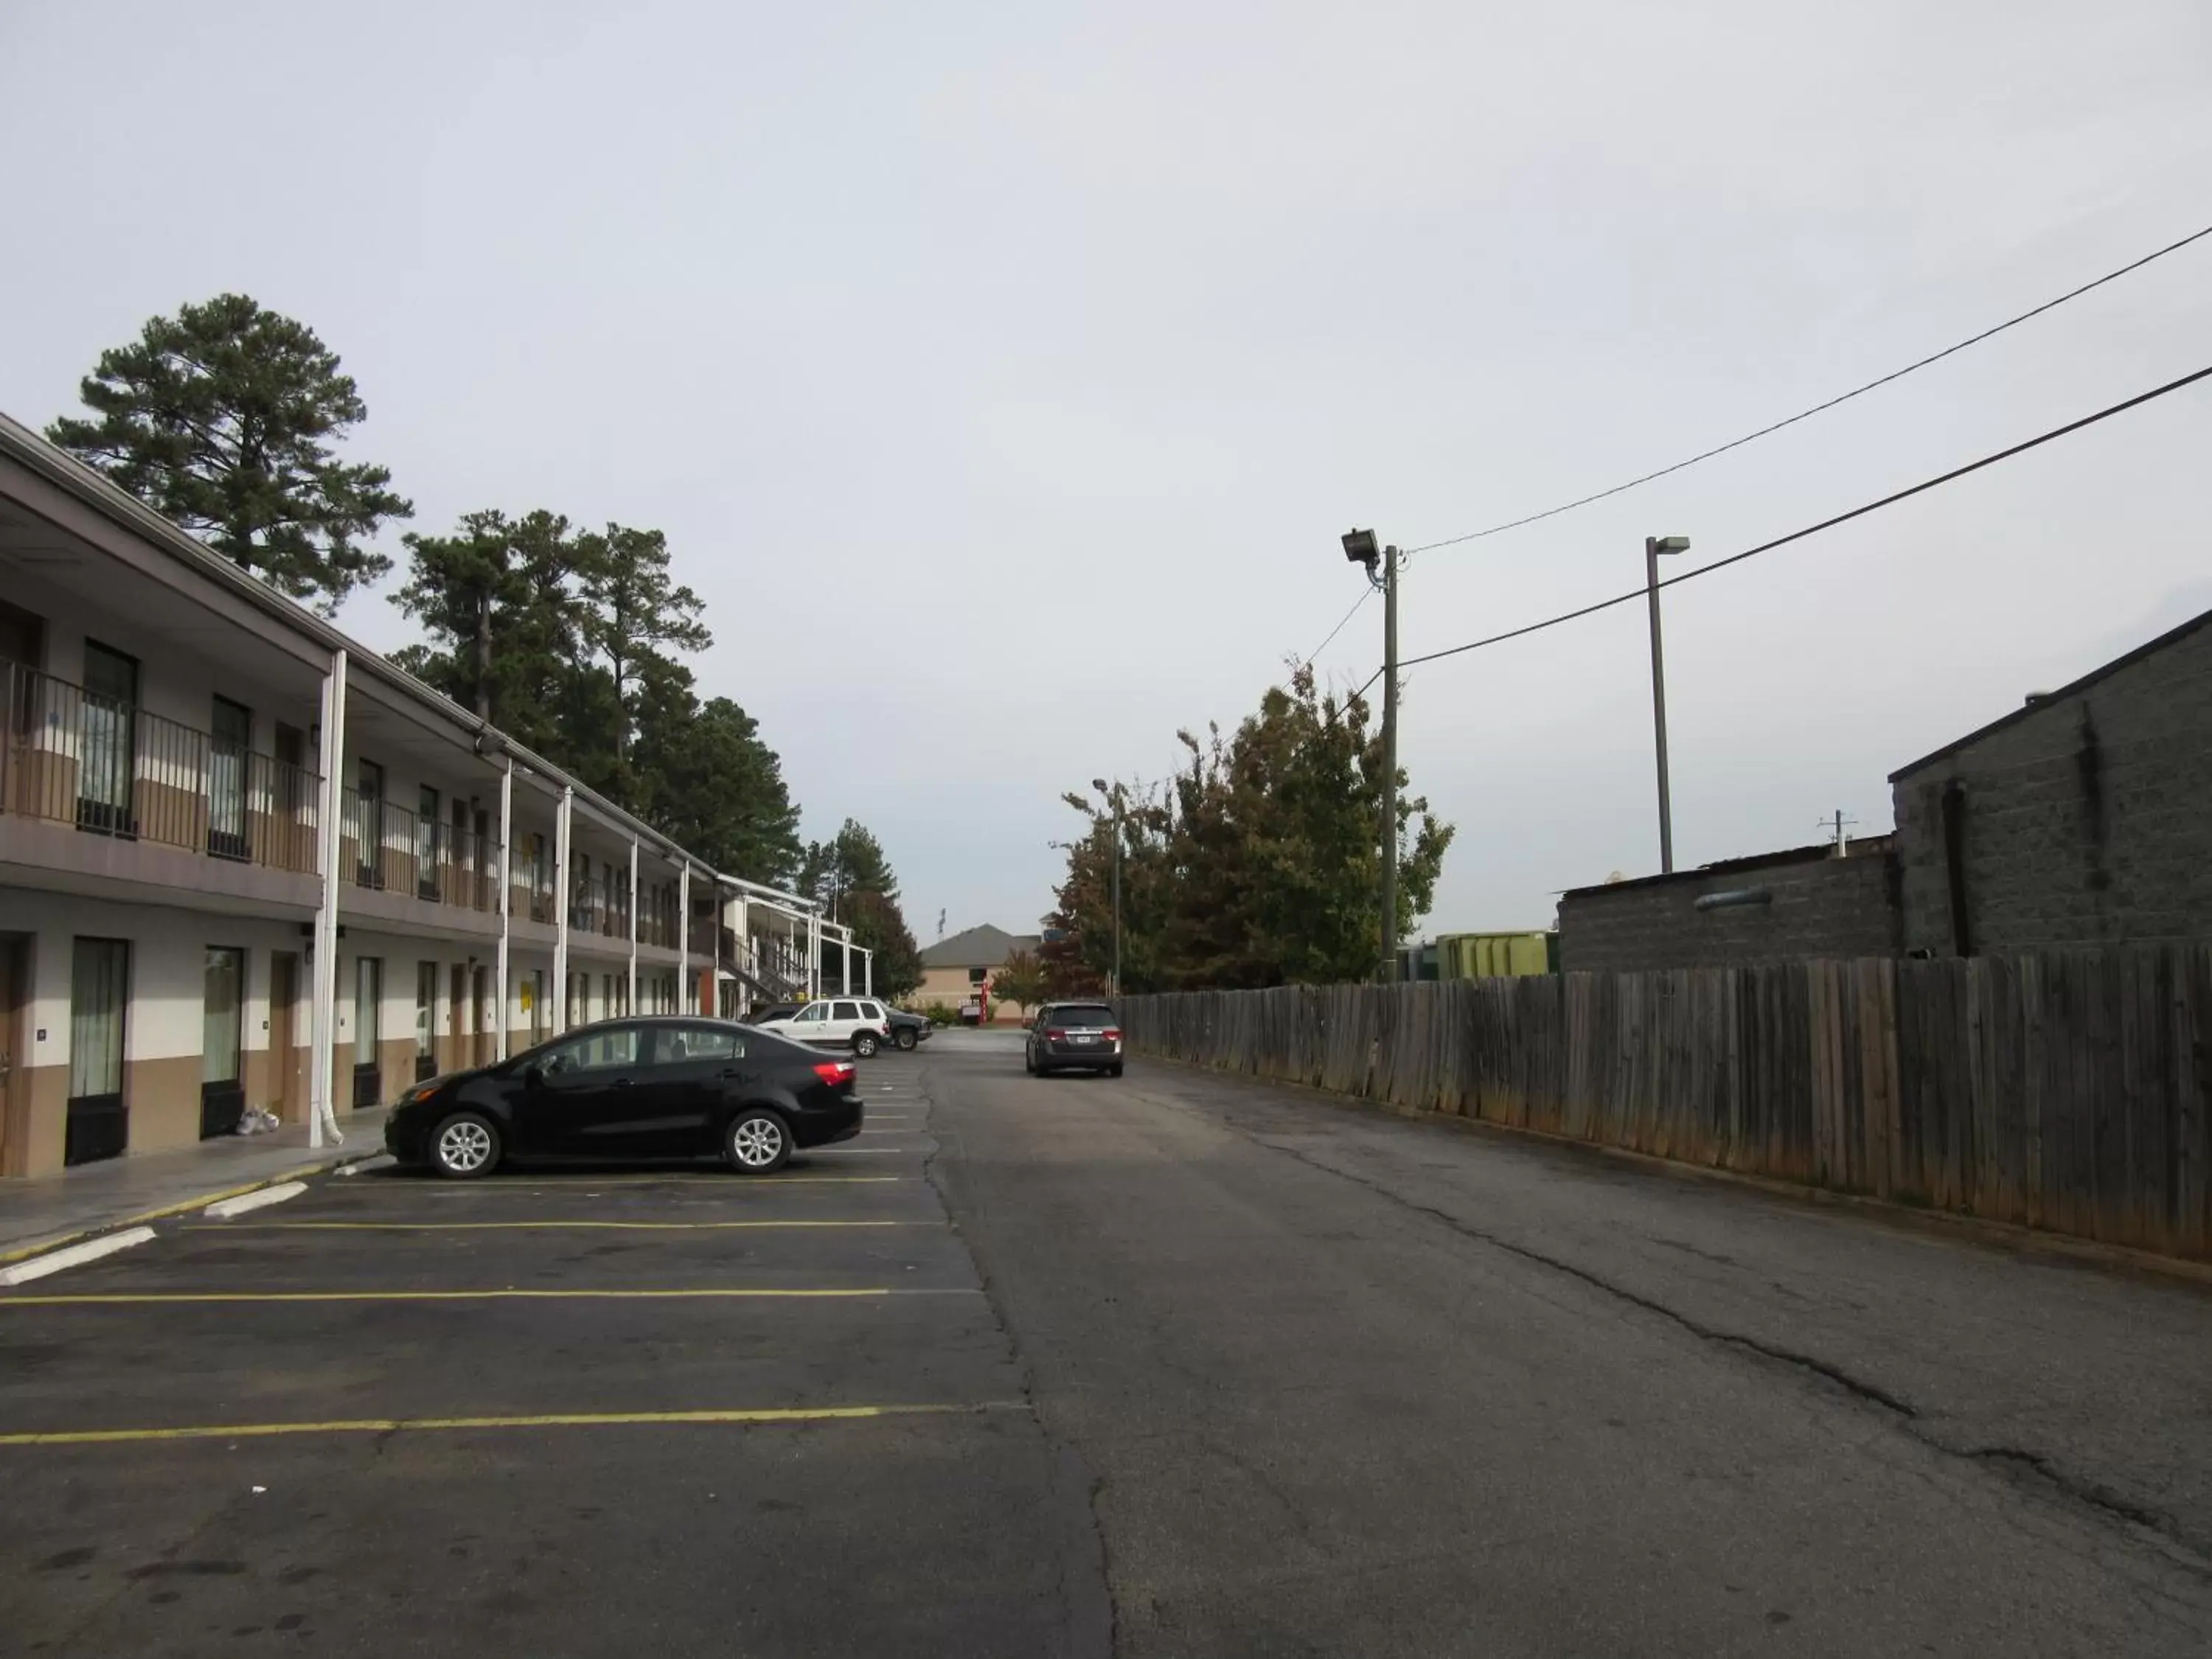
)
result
[(1977, 1229), (101, 1230), (71, 1255), (246, 1203)]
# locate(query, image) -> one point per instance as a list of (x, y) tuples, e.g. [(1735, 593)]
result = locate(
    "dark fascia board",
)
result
[(2149, 647), (1869, 847)]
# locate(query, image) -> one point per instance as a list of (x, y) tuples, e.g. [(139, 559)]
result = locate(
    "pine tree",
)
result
[(224, 418)]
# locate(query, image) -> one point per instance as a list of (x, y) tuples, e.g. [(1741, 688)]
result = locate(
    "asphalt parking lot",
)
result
[(561, 1412), (1176, 1364)]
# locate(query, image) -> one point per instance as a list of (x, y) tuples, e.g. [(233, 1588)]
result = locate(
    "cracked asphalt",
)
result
[(1349, 1383), (1172, 1364)]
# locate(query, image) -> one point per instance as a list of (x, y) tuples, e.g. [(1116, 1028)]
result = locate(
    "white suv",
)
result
[(856, 1022)]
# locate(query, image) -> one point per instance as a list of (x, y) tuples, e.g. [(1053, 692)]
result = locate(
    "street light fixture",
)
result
[(1114, 797), (1653, 547)]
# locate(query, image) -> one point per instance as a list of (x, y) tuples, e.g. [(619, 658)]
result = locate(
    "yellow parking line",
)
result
[(554, 1420), (489, 1226), (718, 1292), (584, 1183)]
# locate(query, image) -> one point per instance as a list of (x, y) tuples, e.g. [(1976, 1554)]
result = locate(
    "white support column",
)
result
[(684, 992), (630, 1006), (501, 991), (845, 945), (323, 1016), (867, 973), (561, 913)]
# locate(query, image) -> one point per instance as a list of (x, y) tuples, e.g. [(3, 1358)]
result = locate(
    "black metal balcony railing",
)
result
[(70, 756), (388, 848), (600, 904)]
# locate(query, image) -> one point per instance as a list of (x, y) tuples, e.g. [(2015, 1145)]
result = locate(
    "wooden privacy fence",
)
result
[(2067, 1090)]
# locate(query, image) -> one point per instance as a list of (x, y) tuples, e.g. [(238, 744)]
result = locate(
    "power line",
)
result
[(1809, 530), (1895, 374), (1365, 594)]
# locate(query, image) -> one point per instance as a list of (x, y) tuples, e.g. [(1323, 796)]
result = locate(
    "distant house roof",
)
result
[(977, 947), (2044, 700), (1864, 846)]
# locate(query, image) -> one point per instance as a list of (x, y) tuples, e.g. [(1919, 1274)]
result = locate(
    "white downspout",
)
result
[(322, 1115), (683, 987), (500, 995), (629, 1003), (561, 913)]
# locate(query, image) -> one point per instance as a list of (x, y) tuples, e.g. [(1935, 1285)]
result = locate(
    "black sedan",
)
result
[(664, 1088)]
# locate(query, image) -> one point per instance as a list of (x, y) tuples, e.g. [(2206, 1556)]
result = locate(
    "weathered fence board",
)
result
[(2071, 1090)]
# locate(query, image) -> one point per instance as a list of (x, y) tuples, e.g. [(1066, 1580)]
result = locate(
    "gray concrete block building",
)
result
[(1799, 904), (2082, 818)]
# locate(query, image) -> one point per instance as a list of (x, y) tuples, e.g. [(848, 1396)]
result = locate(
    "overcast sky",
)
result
[(1004, 375)]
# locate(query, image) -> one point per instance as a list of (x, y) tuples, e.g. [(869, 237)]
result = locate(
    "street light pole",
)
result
[(1653, 547)]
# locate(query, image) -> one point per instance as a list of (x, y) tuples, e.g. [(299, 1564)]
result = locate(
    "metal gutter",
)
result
[(20, 443)]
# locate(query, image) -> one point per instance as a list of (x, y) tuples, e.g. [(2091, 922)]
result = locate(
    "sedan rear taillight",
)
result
[(1055, 1036), (835, 1073)]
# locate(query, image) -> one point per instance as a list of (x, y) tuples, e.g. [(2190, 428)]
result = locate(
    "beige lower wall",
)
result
[(38, 1120), (259, 1081), (395, 1071), (163, 1098), (277, 1081), (395, 1059)]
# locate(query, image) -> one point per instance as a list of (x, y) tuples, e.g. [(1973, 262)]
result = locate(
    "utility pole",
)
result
[(1359, 547), (1117, 890), (1114, 799), (1389, 765), (1653, 547)]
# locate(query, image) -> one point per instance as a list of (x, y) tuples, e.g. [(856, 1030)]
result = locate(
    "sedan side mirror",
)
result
[(533, 1075)]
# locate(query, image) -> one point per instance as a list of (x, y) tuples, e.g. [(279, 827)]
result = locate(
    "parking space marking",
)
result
[(553, 1420), (849, 1151), (718, 1292), (246, 1203), (71, 1256), (490, 1226)]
